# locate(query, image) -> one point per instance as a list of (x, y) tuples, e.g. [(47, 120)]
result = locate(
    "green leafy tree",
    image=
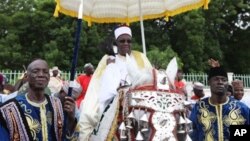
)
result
[(188, 39), (10, 7), (28, 30), (160, 59)]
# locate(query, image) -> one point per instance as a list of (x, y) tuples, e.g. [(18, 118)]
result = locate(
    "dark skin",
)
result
[(238, 92), (198, 93), (218, 86), (179, 75), (124, 43), (230, 91), (38, 78), (55, 73), (89, 70)]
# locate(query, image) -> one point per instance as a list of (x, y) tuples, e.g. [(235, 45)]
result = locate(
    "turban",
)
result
[(122, 30), (88, 65), (237, 83), (198, 86), (217, 71), (55, 68)]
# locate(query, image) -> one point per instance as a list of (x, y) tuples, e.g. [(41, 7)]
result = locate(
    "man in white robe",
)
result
[(106, 79)]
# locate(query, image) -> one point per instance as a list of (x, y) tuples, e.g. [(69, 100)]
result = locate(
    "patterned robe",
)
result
[(24, 120), (212, 122)]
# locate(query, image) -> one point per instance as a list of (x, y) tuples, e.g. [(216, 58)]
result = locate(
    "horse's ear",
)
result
[(171, 71)]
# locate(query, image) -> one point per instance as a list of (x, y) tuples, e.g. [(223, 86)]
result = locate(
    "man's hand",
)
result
[(213, 63), (69, 108)]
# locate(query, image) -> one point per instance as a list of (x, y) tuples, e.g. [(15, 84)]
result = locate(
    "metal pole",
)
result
[(74, 61), (142, 29)]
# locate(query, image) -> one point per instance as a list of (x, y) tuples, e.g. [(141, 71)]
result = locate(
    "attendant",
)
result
[(180, 84), (239, 93), (213, 116), (198, 92), (35, 115), (238, 89), (55, 82), (84, 80)]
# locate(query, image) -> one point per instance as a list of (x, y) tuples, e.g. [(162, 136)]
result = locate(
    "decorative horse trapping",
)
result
[(144, 113)]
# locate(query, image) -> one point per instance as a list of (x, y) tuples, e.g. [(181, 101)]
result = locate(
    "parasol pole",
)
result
[(76, 48), (74, 59), (142, 29)]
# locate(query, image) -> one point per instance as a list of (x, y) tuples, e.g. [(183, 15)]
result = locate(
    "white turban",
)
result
[(198, 86), (122, 30), (88, 65)]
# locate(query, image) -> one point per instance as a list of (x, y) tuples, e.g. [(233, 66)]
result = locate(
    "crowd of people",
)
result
[(36, 109)]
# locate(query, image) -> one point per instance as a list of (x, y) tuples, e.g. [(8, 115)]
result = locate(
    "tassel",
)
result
[(166, 19), (206, 4), (181, 120), (139, 136), (188, 138), (56, 12)]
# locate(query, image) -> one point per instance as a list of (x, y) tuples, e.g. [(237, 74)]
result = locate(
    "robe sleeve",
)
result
[(4, 134), (90, 105), (193, 117)]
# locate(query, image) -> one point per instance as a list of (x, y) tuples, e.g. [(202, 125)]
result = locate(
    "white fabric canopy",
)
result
[(126, 11)]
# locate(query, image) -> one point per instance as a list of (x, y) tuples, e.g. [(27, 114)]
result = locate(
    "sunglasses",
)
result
[(123, 41)]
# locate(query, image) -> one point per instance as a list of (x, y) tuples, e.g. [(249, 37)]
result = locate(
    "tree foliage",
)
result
[(28, 30)]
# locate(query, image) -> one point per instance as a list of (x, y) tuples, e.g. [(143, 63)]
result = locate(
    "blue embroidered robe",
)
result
[(22, 119), (212, 122)]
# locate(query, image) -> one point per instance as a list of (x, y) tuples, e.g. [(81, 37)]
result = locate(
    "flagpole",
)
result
[(74, 60)]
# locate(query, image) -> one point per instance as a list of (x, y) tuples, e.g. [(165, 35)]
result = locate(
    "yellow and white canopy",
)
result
[(126, 11)]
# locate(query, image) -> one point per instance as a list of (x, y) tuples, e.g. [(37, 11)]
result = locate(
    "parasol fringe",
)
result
[(166, 18), (188, 8), (206, 4), (89, 22), (57, 9), (165, 14), (56, 12)]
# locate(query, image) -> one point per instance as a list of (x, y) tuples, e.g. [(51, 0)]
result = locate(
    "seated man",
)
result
[(106, 79)]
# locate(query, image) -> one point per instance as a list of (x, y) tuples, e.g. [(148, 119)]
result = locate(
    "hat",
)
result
[(55, 85), (237, 83), (122, 30), (76, 88), (216, 71), (55, 68), (198, 86), (88, 65)]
